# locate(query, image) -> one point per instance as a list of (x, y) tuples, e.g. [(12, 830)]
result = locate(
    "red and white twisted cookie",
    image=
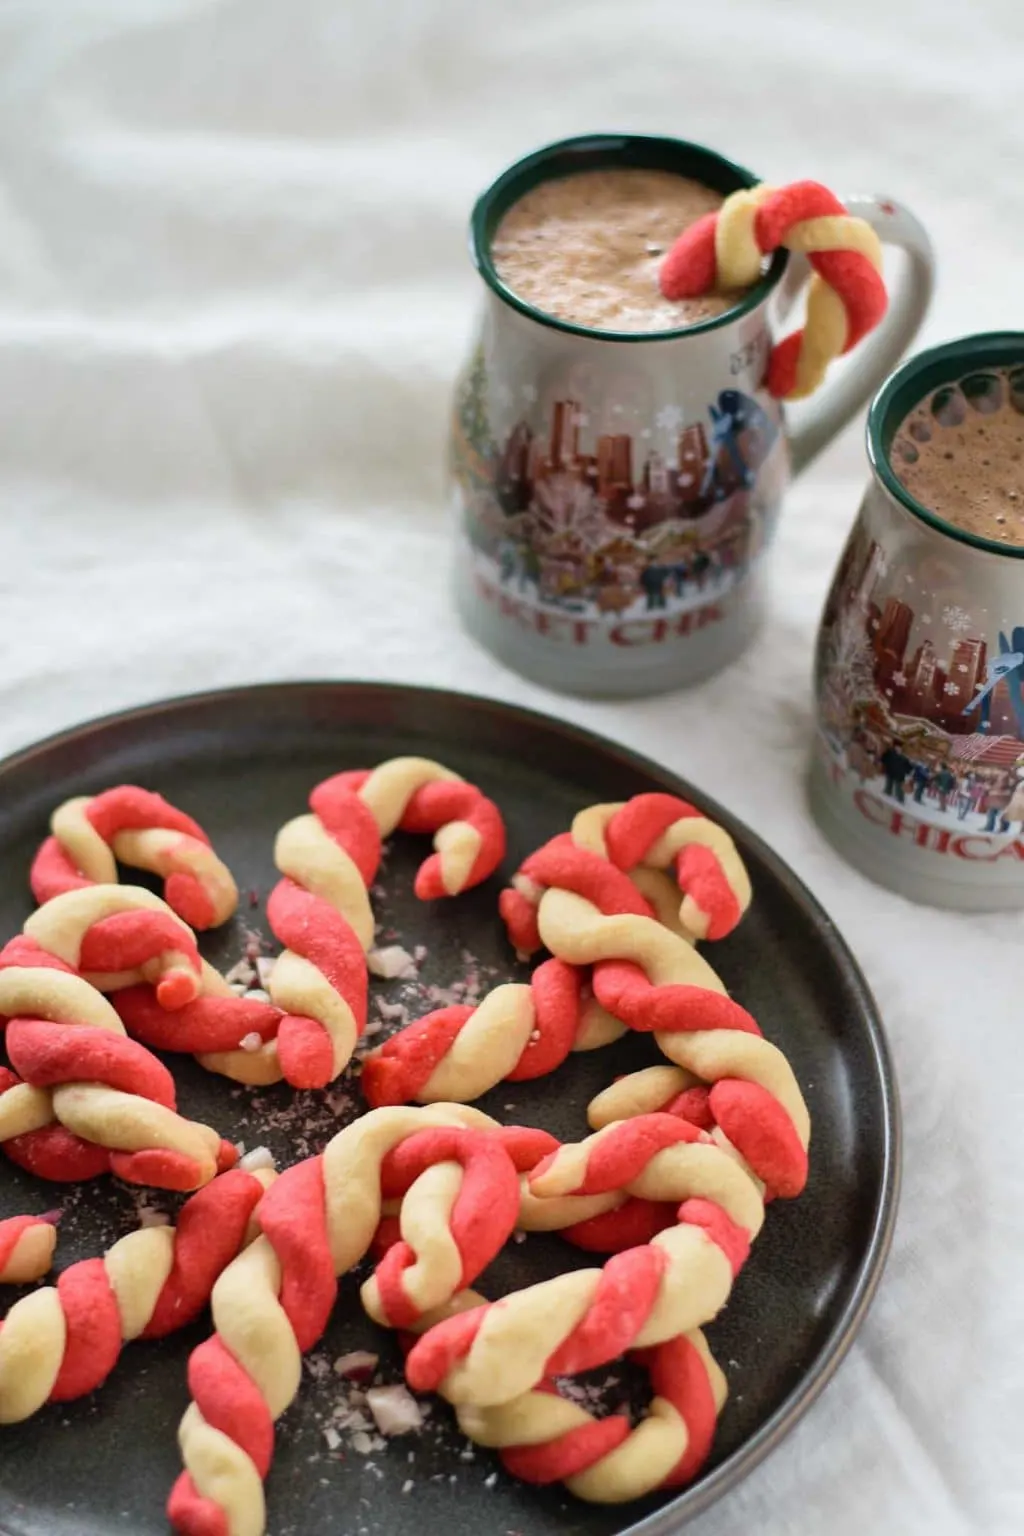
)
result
[(488, 1357), (79, 1068), (142, 830), (26, 1247), (211, 1027), (665, 832), (846, 297), (128, 942), (117, 935), (651, 980), (518, 1032), (320, 911), (63, 1341), (543, 1438), (643, 836), (273, 1302)]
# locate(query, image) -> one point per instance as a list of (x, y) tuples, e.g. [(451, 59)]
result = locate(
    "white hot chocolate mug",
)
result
[(615, 492)]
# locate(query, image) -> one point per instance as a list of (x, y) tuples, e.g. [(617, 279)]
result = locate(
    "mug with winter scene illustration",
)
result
[(918, 771), (617, 470)]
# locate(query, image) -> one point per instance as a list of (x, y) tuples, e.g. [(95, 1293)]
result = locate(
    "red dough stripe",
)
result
[(623, 988), (47, 1054), (312, 928), (93, 1321), (622, 1302), (441, 1348), (126, 940), (293, 1217), (636, 827), (628, 1226), (482, 1217), (432, 807), (208, 1234), (554, 1460), (699, 873), (678, 1373), (691, 266), (618, 1159), (564, 864), (230, 1400), (349, 821), (396, 1073), (733, 1239), (762, 1132), (127, 808), (209, 1023)]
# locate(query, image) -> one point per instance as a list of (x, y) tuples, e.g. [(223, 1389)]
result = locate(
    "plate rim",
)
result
[(840, 1338)]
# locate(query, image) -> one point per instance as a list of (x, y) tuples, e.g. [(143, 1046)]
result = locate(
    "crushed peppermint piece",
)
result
[(391, 962), (258, 995), (362, 1443), (332, 1437), (264, 966), (252, 1041), (357, 1365), (490, 1479), (392, 1011), (395, 1410), (408, 1485), (150, 1216), (419, 954), (259, 1157), (242, 971), (239, 988)]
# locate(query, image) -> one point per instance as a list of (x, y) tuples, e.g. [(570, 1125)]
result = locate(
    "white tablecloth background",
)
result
[(233, 293)]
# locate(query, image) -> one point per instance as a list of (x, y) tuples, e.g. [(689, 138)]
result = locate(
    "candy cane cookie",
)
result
[(26, 1247), (63, 1341), (846, 297), (642, 837), (127, 942), (320, 910), (543, 1438), (643, 1296), (665, 832), (68, 1045), (652, 981), (138, 828), (273, 1302), (519, 1031), (117, 935)]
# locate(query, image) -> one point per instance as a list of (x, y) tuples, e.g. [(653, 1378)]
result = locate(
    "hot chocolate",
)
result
[(587, 248), (960, 453)]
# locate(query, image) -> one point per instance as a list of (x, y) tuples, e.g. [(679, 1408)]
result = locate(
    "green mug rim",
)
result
[(906, 387), (598, 151)]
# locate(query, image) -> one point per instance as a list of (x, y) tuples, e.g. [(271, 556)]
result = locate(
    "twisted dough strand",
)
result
[(140, 829), (545, 1439), (274, 1301), (63, 1037), (518, 1032), (643, 1296), (663, 831), (651, 980), (63, 1341), (320, 911), (846, 297)]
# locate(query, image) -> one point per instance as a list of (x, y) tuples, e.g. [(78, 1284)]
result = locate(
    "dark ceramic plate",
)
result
[(242, 762)]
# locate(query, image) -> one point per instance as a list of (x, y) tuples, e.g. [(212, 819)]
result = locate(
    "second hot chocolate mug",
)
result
[(918, 771), (615, 492)]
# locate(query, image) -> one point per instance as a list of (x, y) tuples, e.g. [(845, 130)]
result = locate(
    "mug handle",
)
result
[(832, 406)]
